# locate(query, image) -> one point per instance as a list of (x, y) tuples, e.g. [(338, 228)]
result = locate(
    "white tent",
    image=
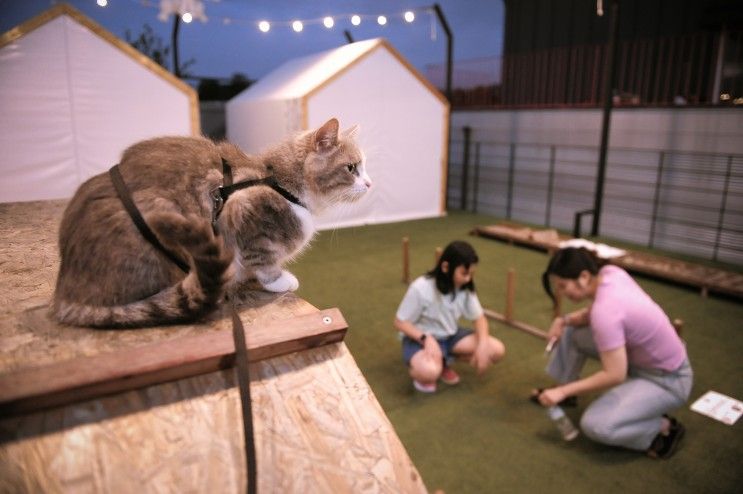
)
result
[(73, 97), (403, 119)]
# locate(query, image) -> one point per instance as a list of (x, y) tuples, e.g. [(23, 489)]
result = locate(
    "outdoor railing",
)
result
[(683, 202)]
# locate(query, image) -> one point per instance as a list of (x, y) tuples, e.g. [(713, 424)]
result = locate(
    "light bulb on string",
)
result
[(328, 22), (102, 3), (409, 16), (355, 20), (187, 17), (264, 26), (381, 20), (297, 26)]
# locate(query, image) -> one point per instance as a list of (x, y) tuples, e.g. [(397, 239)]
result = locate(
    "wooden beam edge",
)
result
[(90, 377)]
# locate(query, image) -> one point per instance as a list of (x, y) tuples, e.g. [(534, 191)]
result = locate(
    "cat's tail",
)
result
[(194, 296)]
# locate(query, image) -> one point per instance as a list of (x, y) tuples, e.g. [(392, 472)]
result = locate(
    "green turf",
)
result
[(483, 435)]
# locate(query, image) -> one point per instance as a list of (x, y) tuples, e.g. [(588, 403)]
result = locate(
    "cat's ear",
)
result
[(326, 137), (352, 132)]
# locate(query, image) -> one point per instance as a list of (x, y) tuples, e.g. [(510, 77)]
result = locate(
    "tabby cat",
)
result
[(110, 276)]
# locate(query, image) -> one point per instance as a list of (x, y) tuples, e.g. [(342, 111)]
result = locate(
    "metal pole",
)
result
[(176, 25), (610, 72), (449, 47), (465, 167), (656, 197), (476, 184), (550, 186), (511, 165), (723, 204), (348, 36)]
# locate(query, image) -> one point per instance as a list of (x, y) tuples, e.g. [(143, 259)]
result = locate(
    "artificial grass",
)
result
[(483, 435)]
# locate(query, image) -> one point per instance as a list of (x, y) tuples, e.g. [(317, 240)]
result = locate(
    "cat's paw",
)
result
[(287, 282)]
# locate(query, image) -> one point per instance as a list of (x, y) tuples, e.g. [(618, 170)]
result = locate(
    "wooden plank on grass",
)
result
[(90, 377), (527, 328)]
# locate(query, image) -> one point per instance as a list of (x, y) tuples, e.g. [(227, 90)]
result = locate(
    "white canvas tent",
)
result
[(73, 97), (403, 119)]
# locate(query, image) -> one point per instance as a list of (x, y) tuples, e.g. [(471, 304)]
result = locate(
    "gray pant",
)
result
[(629, 414)]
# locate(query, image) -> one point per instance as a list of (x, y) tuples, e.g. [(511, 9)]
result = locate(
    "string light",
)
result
[(191, 10), (102, 3)]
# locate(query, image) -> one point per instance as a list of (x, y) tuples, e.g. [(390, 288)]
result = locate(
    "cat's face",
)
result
[(335, 166)]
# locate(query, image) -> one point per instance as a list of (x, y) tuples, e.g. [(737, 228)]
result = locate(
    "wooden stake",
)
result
[(510, 293), (405, 260)]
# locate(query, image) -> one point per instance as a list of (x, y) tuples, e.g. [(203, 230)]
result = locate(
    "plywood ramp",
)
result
[(318, 425)]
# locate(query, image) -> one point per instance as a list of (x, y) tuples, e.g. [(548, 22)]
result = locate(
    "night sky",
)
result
[(230, 42)]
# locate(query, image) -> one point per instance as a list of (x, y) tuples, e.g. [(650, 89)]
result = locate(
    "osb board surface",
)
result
[(28, 267), (318, 428)]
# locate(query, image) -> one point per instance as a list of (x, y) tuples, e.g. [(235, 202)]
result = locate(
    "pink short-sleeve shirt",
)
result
[(622, 314)]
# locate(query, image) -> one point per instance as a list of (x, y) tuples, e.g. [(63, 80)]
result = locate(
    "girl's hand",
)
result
[(432, 348), (480, 359), (552, 396)]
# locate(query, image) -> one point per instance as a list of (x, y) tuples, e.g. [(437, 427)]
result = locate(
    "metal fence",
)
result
[(690, 203)]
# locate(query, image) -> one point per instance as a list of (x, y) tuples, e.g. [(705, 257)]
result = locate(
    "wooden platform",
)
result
[(318, 426), (706, 279)]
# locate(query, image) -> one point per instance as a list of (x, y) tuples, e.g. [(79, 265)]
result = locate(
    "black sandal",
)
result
[(664, 447), (570, 401)]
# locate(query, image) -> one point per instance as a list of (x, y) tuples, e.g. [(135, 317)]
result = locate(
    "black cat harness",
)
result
[(222, 193), (219, 196)]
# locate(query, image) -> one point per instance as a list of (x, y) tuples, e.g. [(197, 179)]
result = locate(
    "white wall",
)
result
[(715, 130)]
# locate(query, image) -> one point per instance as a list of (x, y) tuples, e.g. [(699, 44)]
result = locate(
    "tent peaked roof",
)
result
[(65, 9), (300, 77)]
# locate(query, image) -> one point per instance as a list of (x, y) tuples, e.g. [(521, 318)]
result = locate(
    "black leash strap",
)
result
[(243, 383), (126, 199), (238, 331), (242, 369)]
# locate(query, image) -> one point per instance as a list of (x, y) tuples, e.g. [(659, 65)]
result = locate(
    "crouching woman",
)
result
[(644, 365)]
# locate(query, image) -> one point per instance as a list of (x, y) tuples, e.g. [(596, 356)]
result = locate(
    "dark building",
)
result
[(669, 52)]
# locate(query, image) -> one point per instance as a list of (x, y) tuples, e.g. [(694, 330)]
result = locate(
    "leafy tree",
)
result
[(152, 46)]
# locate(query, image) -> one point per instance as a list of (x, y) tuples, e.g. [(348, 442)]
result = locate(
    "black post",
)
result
[(176, 25), (465, 167), (656, 197), (550, 186), (511, 166), (476, 184), (609, 76), (449, 47), (723, 204), (347, 33)]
